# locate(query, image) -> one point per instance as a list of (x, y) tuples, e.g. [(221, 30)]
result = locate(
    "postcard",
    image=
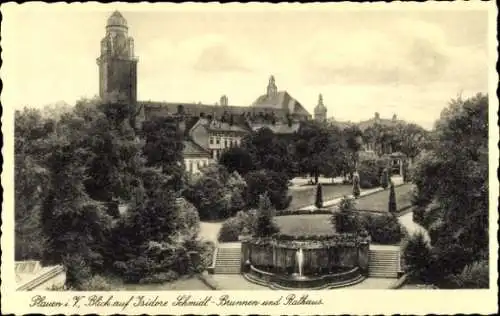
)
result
[(290, 158)]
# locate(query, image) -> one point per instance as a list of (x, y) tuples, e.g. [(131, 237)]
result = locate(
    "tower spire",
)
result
[(320, 110), (272, 90)]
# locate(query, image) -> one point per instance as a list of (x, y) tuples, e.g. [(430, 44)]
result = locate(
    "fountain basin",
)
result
[(316, 263), (282, 281)]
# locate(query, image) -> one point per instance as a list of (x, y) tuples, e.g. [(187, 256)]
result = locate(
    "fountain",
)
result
[(285, 263), (299, 258)]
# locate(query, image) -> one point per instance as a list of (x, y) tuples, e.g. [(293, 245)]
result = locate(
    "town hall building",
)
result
[(208, 129)]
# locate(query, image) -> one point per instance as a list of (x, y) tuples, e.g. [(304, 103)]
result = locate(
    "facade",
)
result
[(209, 129), (117, 63)]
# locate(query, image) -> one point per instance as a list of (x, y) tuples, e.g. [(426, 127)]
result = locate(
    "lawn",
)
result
[(306, 195), (305, 224), (379, 202)]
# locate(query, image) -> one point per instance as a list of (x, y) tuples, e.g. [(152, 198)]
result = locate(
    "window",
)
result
[(211, 140), (225, 143), (218, 140)]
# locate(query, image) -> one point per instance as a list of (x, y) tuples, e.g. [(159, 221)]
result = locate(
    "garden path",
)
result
[(407, 221)]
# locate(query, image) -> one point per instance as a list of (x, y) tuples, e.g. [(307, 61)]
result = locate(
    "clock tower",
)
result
[(117, 63)]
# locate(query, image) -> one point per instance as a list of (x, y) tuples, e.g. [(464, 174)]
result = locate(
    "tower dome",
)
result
[(117, 20)]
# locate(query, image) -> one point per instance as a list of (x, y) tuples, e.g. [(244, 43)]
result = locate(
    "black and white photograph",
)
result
[(248, 155)]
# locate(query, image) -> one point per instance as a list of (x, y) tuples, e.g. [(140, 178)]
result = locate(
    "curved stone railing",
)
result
[(46, 277), (313, 282)]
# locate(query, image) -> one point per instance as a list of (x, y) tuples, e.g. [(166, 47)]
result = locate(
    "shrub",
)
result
[(78, 270), (347, 222), (230, 230), (217, 194), (473, 276), (319, 196), (96, 283), (233, 227), (160, 277), (383, 229), (392, 201), (417, 257), (188, 218), (265, 225), (206, 250)]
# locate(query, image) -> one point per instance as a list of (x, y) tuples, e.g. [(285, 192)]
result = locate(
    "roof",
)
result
[(196, 108), (282, 100), (117, 19), (192, 150), (363, 125), (219, 126), (340, 124), (280, 129)]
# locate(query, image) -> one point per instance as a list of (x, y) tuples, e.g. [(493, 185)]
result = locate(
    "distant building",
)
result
[(320, 110), (208, 129)]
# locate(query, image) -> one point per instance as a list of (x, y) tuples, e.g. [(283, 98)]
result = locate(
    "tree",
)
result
[(267, 151), (274, 183), (32, 178), (317, 149), (237, 159), (458, 184), (319, 196), (163, 148), (265, 226), (353, 142), (217, 194), (392, 200), (417, 256), (73, 223), (411, 139)]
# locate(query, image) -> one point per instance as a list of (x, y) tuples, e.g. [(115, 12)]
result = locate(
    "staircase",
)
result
[(228, 260), (383, 263)]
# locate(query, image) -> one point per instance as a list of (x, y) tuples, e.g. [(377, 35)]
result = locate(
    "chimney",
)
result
[(394, 117)]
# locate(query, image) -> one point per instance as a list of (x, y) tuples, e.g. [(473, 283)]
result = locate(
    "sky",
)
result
[(391, 61)]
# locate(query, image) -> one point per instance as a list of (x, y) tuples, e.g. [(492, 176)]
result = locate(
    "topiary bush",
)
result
[(384, 179), (319, 196), (356, 190), (393, 209)]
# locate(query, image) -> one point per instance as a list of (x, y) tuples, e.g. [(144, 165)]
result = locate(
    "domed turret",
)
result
[(116, 20)]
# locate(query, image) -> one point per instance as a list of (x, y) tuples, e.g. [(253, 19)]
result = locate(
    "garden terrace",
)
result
[(305, 195), (379, 202)]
